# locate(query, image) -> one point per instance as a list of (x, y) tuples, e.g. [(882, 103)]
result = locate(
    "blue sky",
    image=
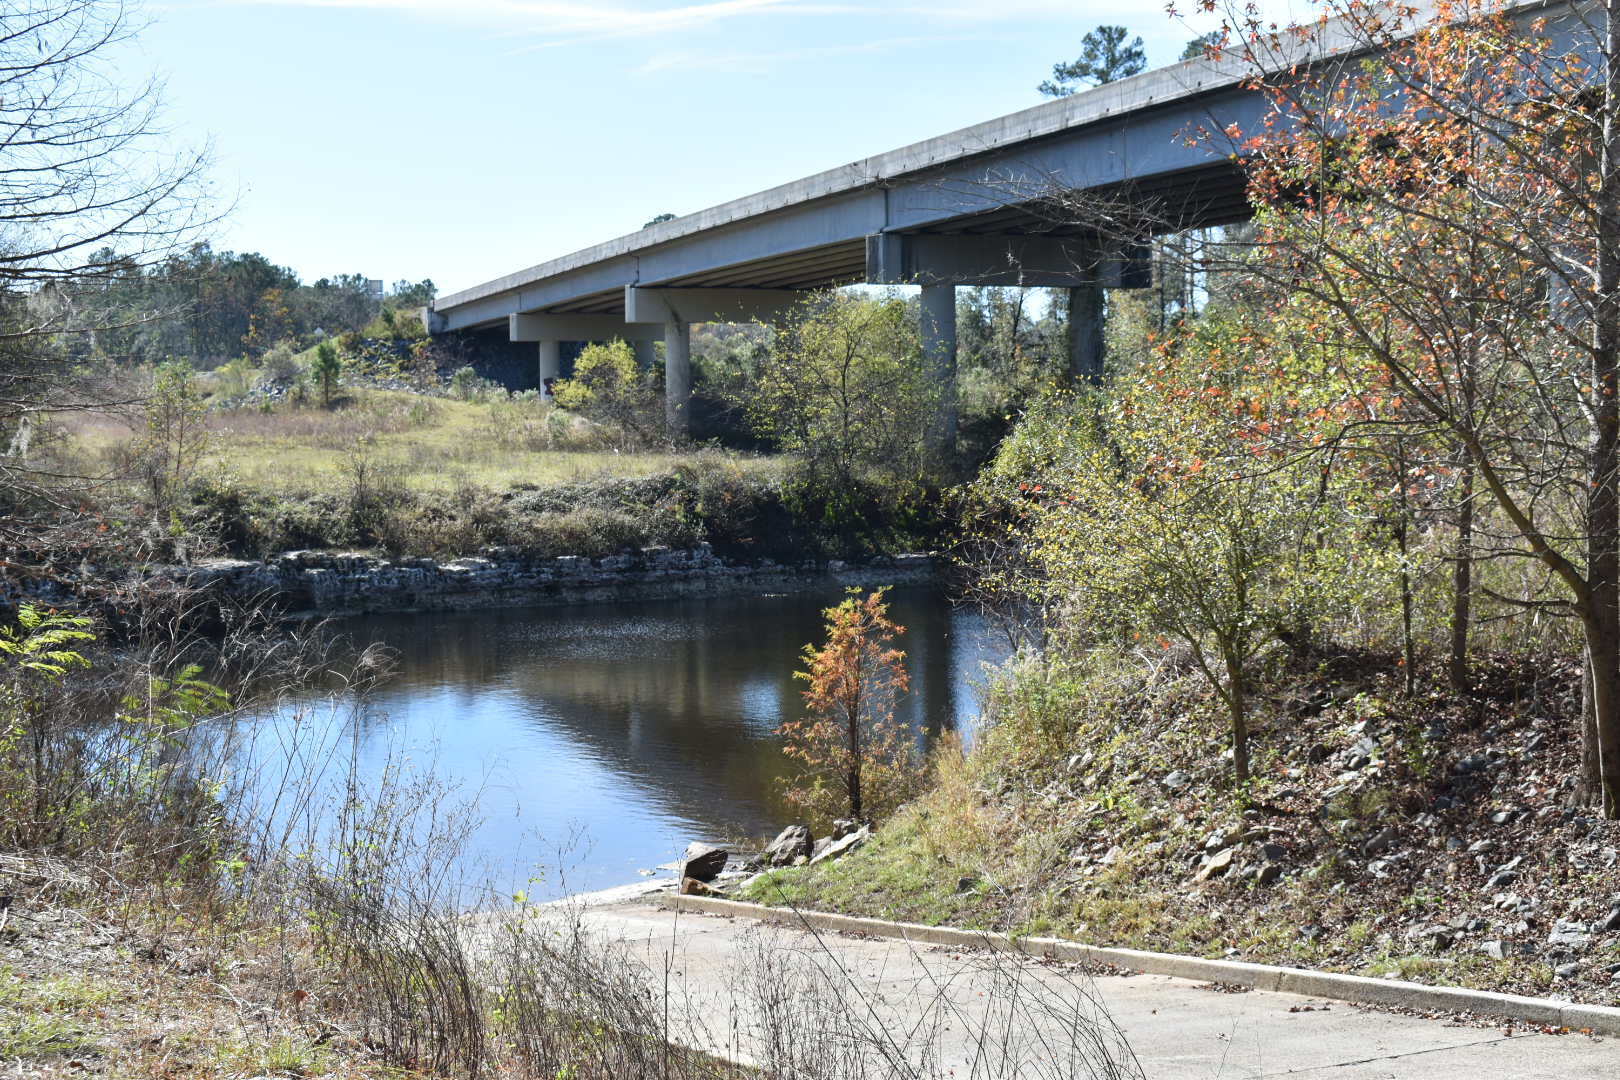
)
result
[(463, 139)]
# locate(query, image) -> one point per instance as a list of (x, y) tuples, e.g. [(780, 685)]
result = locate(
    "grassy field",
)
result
[(427, 444)]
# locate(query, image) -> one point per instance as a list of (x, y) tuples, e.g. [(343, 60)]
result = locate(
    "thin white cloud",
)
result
[(763, 63), (563, 19), (573, 21)]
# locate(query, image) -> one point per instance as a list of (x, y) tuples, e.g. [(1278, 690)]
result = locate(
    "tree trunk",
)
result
[(1588, 792), (1462, 582), (852, 779), (1402, 544), (1240, 719), (1601, 754), (1601, 619)]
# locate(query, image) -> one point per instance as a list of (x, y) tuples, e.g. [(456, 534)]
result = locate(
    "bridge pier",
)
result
[(678, 377), (550, 362), (938, 328), (1086, 331), (677, 309), (645, 357)]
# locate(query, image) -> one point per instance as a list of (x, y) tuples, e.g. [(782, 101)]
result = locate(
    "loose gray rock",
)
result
[(1268, 874), (1218, 863), (703, 862), (1503, 817), (1501, 878), (790, 844), (1496, 950), (842, 827), (1176, 781), (1570, 935), (842, 845), (1440, 937)]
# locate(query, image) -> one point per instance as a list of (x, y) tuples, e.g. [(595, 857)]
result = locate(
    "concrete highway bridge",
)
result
[(1040, 197)]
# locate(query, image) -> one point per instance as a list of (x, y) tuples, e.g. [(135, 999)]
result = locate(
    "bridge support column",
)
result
[(644, 354), (550, 362), (939, 351), (1086, 332), (677, 376)]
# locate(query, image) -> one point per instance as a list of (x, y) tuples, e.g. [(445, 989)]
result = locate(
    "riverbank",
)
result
[(1425, 837), (333, 583)]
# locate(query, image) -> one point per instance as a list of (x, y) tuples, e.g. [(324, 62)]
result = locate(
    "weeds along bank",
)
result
[(446, 471), (165, 918)]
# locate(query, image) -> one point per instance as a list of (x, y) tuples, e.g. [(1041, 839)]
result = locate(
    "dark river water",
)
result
[(598, 741)]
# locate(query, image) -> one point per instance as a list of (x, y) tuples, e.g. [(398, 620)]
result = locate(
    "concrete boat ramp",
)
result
[(952, 1012)]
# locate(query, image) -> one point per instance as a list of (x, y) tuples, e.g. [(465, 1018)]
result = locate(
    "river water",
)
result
[(598, 741)]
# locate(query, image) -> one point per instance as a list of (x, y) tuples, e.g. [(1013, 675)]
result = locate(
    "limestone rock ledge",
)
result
[(319, 582)]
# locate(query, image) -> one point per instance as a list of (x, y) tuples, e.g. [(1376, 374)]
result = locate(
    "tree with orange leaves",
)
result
[(858, 759), (1439, 189)]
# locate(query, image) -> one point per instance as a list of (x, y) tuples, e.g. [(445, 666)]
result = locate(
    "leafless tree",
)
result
[(91, 185)]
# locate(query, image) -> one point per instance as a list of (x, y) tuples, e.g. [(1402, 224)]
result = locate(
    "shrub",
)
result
[(857, 757), (280, 364), (176, 434), (610, 388), (467, 385), (847, 394), (326, 369)]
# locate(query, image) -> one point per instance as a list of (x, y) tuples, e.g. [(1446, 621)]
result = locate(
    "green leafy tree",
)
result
[(327, 368), (1105, 56), (1162, 514), (609, 387), (176, 431), (846, 392), (857, 758), (1201, 45)]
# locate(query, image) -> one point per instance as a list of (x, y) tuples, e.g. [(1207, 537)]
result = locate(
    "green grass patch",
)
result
[(49, 1018), (425, 444)]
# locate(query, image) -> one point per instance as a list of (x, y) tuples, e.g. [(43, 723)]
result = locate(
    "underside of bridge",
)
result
[(1066, 194), (1083, 242)]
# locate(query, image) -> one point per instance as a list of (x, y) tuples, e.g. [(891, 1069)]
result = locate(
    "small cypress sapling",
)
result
[(326, 369)]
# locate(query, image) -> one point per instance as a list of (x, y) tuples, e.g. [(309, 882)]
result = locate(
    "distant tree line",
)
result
[(208, 307)]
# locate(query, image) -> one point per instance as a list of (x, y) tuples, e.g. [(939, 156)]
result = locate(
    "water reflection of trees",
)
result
[(679, 699)]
